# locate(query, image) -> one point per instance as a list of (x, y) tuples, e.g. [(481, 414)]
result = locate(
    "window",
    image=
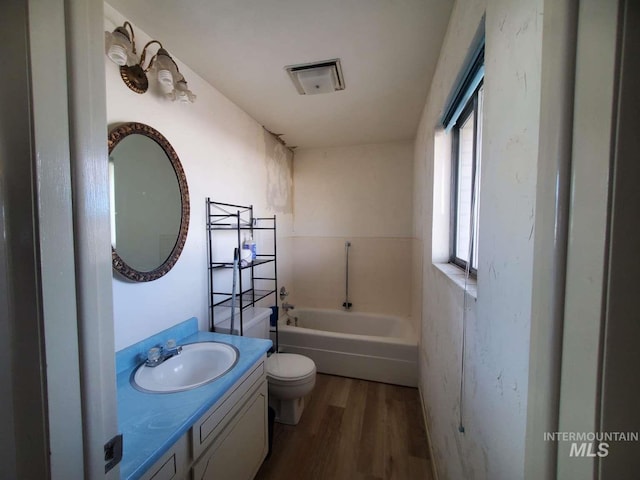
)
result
[(466, 160), (462, 119)]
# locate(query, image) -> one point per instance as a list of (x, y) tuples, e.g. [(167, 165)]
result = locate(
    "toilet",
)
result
[(290, 376)]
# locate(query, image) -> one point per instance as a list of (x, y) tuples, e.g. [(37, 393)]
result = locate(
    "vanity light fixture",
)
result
[(120, 47)]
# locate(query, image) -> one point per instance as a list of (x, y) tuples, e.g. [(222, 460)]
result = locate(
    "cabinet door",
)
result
[(240, 449), (171, 465), (206, 430)]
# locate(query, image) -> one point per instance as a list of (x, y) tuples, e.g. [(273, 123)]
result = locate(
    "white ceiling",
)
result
[(388, 50)]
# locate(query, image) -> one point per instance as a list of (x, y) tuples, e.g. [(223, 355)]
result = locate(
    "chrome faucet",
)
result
[(158, 355), (286, 306)]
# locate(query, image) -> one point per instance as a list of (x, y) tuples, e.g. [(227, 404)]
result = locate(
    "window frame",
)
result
[(470, 108)]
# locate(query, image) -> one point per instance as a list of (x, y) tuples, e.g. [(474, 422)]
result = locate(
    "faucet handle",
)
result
[(286, 306), (171, 348), (153, 355)]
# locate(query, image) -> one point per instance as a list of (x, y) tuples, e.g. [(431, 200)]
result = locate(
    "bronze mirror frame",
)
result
[(116, 135)]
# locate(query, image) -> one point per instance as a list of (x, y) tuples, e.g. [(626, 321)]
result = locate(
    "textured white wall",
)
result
[(227, 156), (361, 194), (497, 342)]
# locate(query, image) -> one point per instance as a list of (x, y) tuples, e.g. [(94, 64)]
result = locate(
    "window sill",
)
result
[(457, 276)]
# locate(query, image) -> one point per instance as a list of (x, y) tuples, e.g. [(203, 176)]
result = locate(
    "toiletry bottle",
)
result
[(247, 251), (252, 247)]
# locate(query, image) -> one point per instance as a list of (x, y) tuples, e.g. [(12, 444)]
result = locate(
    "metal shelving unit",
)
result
[(262, 281)]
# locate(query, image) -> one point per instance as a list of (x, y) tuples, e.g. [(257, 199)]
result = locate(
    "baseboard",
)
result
[(434, 470)]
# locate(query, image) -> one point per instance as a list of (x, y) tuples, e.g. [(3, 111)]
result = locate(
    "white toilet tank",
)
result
[(255, 322)]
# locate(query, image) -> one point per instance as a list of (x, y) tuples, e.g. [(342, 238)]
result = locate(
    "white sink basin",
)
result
[(198, 364)]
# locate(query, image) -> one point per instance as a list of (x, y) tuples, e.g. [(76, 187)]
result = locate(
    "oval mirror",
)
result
[(149, 202)]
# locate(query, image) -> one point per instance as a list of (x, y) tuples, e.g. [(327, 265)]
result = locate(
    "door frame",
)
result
[(57, 343)]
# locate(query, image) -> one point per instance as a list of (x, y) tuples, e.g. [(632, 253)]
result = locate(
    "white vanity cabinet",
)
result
[(229, 442)]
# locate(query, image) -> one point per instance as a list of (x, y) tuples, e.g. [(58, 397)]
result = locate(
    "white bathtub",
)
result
[(358, 345)]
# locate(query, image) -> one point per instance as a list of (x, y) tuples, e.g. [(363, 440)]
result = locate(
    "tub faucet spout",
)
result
[(286, 306)]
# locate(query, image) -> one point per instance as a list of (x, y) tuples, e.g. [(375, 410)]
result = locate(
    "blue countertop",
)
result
[(152, 422)]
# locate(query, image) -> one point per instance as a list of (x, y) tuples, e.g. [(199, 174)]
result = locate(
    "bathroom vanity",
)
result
[(217, 430)]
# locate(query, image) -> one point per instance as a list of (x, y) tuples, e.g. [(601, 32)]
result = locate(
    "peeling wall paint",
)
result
[(278, 159)]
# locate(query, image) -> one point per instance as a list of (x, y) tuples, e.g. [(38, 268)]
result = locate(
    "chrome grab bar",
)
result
[(347, 304)]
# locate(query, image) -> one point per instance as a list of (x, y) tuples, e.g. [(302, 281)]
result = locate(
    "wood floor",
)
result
[(352, 429)]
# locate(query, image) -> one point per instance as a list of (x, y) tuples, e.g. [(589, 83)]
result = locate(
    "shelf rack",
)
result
[(227, 218)]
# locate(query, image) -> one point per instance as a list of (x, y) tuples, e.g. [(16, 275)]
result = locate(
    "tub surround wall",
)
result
[(360, 194), (227, 156), (498, 323), (379, 273)]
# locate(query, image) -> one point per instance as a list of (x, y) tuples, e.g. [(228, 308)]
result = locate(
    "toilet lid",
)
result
[(289, 366)]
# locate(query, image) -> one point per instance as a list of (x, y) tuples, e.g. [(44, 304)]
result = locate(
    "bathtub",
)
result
[(359, 345)]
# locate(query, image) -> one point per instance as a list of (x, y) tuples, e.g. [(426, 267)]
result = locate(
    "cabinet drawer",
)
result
[(209, 426)]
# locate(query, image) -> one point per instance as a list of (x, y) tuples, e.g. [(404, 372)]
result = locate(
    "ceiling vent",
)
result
[(317, 77)]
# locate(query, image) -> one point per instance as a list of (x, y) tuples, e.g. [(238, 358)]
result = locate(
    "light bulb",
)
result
[(183, 94), (165, 69), (182, 97), (165, 78), (118, 46), (117, 55)]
